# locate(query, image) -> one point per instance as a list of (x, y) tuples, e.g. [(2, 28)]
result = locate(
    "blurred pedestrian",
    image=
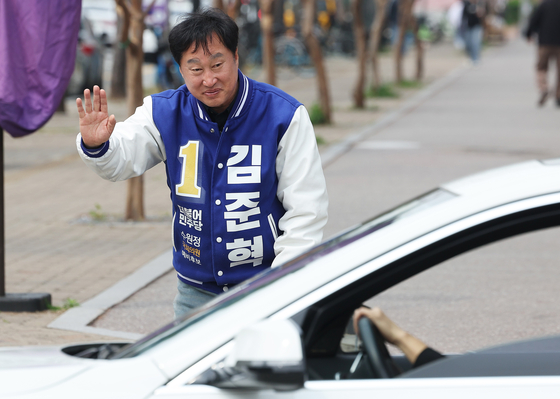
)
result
[(474, 13), (247, 186), (455, 17), (545, 23)]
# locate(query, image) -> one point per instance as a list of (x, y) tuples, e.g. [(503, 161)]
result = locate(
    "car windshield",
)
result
[(268, 276)]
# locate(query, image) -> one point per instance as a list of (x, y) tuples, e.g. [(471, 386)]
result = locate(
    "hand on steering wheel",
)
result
[(373, 345)]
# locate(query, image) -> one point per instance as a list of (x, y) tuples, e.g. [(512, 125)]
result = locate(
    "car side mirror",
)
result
[(267, 355)]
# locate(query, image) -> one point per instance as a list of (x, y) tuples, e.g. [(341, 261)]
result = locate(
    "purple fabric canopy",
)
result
[(38, 40)]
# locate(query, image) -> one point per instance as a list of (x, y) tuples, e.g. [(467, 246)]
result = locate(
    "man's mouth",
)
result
[(212, 93)]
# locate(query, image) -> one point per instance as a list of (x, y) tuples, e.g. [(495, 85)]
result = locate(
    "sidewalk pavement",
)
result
[(64, 229)]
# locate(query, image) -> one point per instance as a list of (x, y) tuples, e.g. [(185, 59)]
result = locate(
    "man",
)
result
[(474, 13), (246, 182), (545, 22)]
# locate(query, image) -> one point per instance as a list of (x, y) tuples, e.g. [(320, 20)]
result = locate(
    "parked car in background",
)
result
[(88, 69), (103, 17), (284, 333)]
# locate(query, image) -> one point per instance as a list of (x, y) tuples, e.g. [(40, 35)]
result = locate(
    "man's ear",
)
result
[(236, 57)]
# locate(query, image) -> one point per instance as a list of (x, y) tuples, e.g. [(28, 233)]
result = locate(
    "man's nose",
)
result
[(209, 78)]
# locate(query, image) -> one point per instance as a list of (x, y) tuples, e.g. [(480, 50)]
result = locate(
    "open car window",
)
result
[(503, 292), (487, 290)]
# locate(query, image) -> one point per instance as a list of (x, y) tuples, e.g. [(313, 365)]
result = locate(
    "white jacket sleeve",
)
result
[(134, 147), (301, 189)]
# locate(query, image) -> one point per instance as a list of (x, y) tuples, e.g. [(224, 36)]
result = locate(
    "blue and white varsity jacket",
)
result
[(249, 198)]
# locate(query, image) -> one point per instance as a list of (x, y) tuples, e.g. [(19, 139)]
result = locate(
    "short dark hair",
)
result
[(198, 27)]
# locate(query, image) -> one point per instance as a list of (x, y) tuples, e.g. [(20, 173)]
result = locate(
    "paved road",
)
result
[(484, 117)]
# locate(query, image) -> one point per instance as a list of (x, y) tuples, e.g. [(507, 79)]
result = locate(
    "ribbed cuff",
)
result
[(95, 152)]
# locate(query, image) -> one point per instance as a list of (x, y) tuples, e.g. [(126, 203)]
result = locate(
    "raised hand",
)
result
[(96, 126)]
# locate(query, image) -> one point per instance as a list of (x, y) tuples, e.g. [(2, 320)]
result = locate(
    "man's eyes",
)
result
[(214, 66)]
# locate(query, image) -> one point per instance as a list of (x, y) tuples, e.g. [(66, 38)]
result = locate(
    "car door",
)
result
[(323, 315)]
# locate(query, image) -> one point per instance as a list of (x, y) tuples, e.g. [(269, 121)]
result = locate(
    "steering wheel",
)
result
[(378, 356)]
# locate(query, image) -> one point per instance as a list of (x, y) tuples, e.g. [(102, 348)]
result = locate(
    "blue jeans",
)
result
[(473, 42), (188, 298)]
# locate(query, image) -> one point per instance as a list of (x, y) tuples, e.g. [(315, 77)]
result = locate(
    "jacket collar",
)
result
[(241, 101)]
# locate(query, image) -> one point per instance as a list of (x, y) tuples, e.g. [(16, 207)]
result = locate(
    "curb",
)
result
[(79, 318)]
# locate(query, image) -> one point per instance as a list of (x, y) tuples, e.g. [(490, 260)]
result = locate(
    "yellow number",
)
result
[(189, 186)]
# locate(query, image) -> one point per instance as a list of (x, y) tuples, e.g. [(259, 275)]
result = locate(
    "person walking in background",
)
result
[(474, 12), (545, 23), (455, 18)]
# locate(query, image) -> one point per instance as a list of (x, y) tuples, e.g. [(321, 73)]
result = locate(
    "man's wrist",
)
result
[(95, 152), (95, 148)]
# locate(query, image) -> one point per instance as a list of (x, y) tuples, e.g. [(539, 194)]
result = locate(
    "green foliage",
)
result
[(512, 11), (320, 140), (68, 303), (384, 91), (97, 213), (317, 115), (410, 84), (424, 33)]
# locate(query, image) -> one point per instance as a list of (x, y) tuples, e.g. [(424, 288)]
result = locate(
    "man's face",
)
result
[(211, 77)]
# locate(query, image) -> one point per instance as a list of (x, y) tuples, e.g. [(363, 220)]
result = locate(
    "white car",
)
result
[(282, 333)]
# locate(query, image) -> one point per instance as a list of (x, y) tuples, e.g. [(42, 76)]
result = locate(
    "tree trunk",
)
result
[(375, 39), (419, 51), (360, 42), (135, 95), (135, 59), (405, 12), (219, 4), (133, 29), (233, 9), (135, 199), (314, 49), (268, 43), (398, 49), (118, 74)]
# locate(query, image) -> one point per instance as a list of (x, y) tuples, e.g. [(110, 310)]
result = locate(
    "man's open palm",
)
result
[(96, 126)]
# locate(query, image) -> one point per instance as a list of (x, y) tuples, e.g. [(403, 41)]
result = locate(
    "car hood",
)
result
[(39, 367)]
